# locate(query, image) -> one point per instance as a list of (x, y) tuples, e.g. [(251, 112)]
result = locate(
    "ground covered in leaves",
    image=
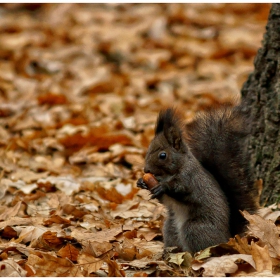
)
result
[(80, 89)]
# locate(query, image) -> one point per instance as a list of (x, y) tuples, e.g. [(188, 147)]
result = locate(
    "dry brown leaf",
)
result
[(240, 244), (70, 252), (67, 184), (129, 209), (268, 214), (30, 233), (89, 263), (21, 221), (109, 194), (221, 266), (48, 240), (9, 268), (29, 270), (74, 211), (180, 259), (148, 234), (34, 196), (20, 249), (57, 220), (28, 176), (127, 251), (99, 137), (10, 212), (114, 270), (143, 253), (9, 233), (105, 235), (52, 99), (130, 234), (96, 249), (266, 231), (154, 249), (265, 273), (261, 257), (51, 266), (144, 263)]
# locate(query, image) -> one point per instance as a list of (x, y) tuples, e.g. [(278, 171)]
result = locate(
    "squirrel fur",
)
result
[(203, 175)]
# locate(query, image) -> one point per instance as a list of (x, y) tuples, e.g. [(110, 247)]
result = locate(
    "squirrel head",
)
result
[(167, 150)]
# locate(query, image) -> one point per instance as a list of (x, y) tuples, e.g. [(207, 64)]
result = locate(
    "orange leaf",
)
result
[(55, 219), (70, 252), (261, 257), (52, 99), (110, 194), (8, 232)]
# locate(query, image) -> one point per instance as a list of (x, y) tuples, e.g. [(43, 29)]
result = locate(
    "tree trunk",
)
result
[(262, 94)]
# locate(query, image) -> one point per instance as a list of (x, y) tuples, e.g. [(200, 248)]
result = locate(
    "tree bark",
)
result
[(261, 92)]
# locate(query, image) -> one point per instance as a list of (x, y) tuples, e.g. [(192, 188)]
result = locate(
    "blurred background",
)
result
[(74, 76)]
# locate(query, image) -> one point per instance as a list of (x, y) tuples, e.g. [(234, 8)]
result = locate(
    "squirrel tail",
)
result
[(217, 139)]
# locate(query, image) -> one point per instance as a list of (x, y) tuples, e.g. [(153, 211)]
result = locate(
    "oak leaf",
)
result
[(222, 266), (261, 257), (266, 231)]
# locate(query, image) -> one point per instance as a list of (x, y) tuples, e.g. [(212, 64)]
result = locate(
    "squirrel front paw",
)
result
[(157, 191), (141, 184)]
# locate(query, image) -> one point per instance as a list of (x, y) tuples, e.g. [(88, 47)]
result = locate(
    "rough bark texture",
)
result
[(262, 94)]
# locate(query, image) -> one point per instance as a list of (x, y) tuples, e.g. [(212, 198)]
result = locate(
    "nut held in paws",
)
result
[(150, 180)]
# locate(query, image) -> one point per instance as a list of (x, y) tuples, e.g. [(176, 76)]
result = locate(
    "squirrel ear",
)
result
[(169, 122), (173, 136)]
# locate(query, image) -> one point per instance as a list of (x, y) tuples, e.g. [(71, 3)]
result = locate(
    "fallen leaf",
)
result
[(66, 184), (266, 231), (240, 244), (51, 266), (70, 252), (8, 232), (89, 263), (30, 233), (222, 266), (114, 270), (268, 214), (28, 176), (56, 219), (96, 249), (261, 257), (48, 240), (105, 235), (9, 268), (21, 221), (10, 212), (180, 259)]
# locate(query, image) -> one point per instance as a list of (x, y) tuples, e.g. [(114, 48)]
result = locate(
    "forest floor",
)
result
[(80, 89)]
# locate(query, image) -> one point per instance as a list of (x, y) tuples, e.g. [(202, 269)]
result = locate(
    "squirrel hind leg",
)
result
[(170, 234)]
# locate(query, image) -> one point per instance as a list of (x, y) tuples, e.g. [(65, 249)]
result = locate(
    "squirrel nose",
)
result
[(146, 170)]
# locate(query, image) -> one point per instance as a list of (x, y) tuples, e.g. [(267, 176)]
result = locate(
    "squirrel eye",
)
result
[(162, 155)]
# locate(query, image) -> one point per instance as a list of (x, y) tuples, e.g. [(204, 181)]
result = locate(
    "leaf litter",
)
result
[(80, 89)]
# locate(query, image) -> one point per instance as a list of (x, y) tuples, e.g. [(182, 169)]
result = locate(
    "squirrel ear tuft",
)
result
[(169, 122), (173, 136)]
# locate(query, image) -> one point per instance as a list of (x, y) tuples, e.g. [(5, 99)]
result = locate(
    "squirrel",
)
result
[(203, 176)]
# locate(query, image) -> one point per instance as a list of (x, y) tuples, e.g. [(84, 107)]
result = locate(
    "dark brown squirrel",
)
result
[(203, 176)]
